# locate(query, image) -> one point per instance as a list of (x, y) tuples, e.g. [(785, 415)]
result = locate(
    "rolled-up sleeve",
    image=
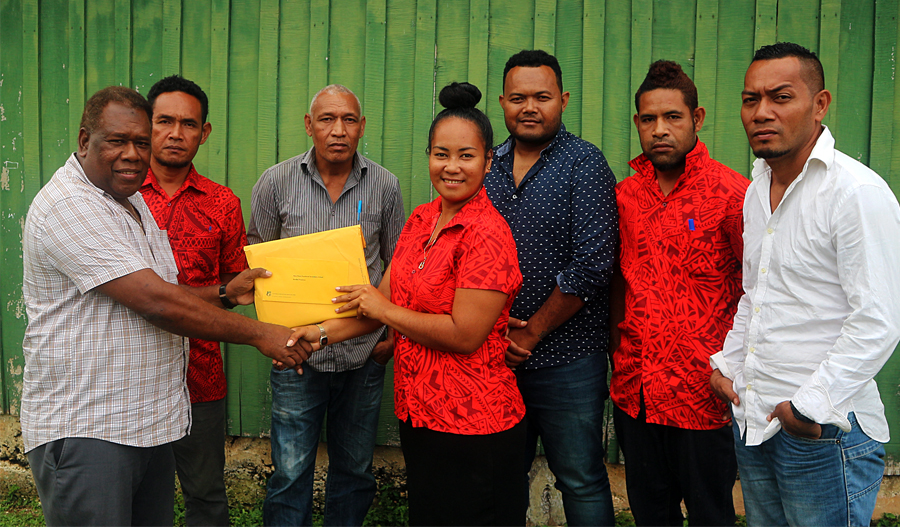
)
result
[(594, 229)]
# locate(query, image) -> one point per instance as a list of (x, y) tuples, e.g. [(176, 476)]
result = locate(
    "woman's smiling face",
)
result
[(457, 161)]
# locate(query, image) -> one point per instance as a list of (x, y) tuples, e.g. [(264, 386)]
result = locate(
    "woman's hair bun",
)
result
[(459, 95)]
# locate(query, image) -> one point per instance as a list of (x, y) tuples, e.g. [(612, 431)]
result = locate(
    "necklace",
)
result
[(429, 245)]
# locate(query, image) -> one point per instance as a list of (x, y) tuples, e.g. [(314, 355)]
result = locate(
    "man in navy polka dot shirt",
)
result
[(557, 193)]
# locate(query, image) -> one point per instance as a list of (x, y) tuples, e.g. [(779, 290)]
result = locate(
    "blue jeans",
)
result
[(564, 406), (352, 400), (832, 480)]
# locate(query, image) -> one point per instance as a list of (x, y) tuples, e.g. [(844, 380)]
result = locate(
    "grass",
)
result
[(390, 508), (17, 509)]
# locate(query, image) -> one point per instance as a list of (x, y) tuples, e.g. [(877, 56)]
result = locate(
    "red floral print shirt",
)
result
[(472, 394), (680, 256)]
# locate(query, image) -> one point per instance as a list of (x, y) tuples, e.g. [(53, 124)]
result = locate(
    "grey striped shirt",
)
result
[(290, 199)]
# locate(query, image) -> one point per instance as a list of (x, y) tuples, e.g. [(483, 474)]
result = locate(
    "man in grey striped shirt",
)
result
[(328, 187)]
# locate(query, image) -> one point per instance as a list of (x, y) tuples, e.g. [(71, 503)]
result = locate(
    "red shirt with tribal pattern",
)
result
[(680, 256), (472, 394), (206, 231)]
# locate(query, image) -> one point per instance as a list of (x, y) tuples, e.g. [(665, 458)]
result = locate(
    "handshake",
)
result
[(371, 306)]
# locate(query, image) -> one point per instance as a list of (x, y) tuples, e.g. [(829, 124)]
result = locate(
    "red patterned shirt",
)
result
[(680, 256), (472, 394), (206, 231)]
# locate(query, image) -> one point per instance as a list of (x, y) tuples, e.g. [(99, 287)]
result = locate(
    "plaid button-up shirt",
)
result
[(94, 368)]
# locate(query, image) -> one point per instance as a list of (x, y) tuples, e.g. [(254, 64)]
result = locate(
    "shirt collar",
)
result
[(193, 180), (510, 143), (695, 158), (465, 216), (823, 151), (358, 171)]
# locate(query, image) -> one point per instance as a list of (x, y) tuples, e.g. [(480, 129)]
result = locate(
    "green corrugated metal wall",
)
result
[(261, 60)]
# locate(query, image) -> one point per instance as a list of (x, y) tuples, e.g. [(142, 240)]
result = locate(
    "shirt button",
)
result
[(752, 350), (756, 310), (749, 386), (664, 203), (515, 196), (770, 230), (403, 337), (763, 270)]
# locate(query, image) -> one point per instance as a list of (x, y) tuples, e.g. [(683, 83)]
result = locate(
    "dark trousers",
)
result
[(93, 482), (200, 465), (665, 464), (455, 479)]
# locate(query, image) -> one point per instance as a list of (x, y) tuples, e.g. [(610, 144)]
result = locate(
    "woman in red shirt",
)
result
[(451, 283)]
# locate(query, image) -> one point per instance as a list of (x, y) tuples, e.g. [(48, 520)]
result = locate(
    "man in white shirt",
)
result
[(819, 316)]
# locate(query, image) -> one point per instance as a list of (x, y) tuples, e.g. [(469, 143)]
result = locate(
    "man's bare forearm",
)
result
[(556, 310)]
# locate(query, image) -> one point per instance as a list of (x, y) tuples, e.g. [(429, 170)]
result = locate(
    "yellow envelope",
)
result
[(305, 271)]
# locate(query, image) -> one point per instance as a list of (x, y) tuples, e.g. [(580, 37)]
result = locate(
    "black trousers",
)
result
[(665, 464), (455, 479), (93, 482), (200, 465)]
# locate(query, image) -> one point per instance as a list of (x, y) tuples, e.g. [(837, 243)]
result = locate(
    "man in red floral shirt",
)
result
[(206, 231), (680, 227)]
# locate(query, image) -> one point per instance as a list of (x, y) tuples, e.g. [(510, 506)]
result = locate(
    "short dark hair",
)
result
[(668, 75), (459, 100), (811, 67), (534, 58), (179, 83), (93, 108)]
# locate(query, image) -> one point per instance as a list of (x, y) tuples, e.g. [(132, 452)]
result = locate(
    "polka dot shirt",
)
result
[(564, 219)]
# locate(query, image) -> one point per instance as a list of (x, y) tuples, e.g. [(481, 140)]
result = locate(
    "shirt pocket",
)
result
[(371, 226)]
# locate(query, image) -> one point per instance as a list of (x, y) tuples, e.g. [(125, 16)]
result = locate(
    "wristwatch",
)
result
[(323, 336), (224, 299)]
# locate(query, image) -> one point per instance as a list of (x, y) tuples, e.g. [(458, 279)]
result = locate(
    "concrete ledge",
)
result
[(249, 463)]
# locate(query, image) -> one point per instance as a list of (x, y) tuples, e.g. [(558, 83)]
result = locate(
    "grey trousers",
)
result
[(93, 482), (200, 464)]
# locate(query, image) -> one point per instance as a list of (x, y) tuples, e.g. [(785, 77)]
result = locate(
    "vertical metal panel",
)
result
[(569, 52), (479, 28), (883, 87), (852, 105), (423, 98), (261, 73), (373, 91), (196, 39), (293, 64), (618, 96), (398, 94), (593, 49), (54, 85), (705, 70), (735, 48), (147, 50), (16, 186), (75, 68)]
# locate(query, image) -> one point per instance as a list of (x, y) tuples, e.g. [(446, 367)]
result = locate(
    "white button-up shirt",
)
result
[(820, 315)]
